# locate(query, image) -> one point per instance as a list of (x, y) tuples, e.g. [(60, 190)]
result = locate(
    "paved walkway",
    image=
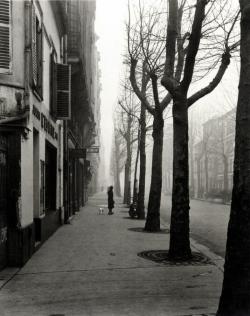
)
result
[(91, 267)]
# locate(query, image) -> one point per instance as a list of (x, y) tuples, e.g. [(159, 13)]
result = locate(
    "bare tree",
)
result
[(117, 162), (145, 48), (235, 297), (144, 126), (128, 127), (203, 16)]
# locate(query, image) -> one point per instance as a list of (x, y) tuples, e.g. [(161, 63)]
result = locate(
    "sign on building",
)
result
[(93, 150)]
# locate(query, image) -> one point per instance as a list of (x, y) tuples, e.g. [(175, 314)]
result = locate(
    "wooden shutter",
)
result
[(39, 56), (5, 36), (34, 45), (53, 84), (63, 109)]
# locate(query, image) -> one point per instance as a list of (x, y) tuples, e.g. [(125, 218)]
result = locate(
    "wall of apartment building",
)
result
[(83, 127), (217, 142), (32, 131)]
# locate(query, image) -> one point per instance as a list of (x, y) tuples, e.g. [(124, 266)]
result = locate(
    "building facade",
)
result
[(45, 113), (214, 155), (82, 129)]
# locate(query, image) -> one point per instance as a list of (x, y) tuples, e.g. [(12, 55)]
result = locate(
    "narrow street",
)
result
[(208, 222), (92, 267)]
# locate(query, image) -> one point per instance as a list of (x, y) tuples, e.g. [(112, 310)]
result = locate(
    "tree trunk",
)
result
[(198, 178), (206, 173), (117, 168), (117, 184), (225, 162), (125, 194), (179, 230), (235, 297), (129, 191), (141, 195), (127, 177), (135, 188), (153, 215)]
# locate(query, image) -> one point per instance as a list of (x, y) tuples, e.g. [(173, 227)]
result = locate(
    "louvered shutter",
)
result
[(63, 109), (34, 45), (53, 84), (39, 56), (5, 36)]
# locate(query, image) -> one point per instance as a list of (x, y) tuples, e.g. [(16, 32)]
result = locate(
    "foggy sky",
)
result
[(110, 28)]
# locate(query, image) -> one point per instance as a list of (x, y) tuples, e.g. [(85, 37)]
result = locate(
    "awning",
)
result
[(13, 128), (15, 124)]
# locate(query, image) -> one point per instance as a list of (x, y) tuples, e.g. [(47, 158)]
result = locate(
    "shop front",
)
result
[(47, 175)]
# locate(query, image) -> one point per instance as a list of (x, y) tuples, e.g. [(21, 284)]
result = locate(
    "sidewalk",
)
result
[(91, 267)]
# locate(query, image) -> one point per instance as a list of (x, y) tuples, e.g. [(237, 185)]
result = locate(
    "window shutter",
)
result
[(34, 45), (5, 36), (39, 55), (53, 84), (63, 110)]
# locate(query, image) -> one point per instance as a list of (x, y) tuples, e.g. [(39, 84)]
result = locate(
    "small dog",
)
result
[(101, 211)]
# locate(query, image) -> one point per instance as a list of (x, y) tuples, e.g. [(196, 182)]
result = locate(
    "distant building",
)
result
[(210, 158), (213, 155), (82, 129)]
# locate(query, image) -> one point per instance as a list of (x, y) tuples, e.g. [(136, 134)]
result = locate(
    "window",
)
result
[(37, 54), (5, 37)]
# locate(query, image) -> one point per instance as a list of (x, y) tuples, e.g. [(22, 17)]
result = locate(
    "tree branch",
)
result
[(225, 61), (168, 80), (128, 111), (194, 42), (165, 102), (136, 89), (155, 90)]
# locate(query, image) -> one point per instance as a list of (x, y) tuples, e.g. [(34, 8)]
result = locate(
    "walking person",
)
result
[(110, 200)]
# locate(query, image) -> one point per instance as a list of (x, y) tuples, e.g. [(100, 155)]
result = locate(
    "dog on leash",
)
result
[(101, 211)]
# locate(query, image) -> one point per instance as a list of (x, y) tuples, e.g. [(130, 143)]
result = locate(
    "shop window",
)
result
[(37, 54), (5, 37), (50, 176)]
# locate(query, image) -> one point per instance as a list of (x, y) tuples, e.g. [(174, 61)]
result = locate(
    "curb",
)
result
[(216, 259), (7, 275)]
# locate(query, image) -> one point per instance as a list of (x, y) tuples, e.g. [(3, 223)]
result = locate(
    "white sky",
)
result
[(110, 16)]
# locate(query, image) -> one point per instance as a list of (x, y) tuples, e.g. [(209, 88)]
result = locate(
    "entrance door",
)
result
[(3, 201), (50, 176)]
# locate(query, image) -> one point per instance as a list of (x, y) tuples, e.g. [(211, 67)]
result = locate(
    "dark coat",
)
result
[(110, 199)]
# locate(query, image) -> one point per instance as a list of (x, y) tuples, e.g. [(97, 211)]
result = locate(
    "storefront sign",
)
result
[(36, 113), (78, 153), (93, 150), (46, 124)]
